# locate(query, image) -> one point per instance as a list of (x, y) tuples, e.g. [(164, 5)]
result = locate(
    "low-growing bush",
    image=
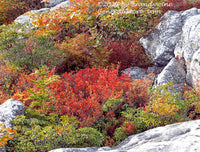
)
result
[(6, 134), (96, 97), (81, 94), (9, 77), (25, 50), (82, 52), (163, 108), (10, 9), (37, 133), (170, 107)]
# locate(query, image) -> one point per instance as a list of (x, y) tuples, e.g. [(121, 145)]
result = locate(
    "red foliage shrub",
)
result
[(128, 53), (138, 91), (129, 128), (120, 53), (83, 94), (80, 94)]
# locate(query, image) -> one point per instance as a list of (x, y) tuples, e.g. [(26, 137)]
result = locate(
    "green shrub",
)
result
[(163, 108), (39, 133), (25, 49), (169, 107)]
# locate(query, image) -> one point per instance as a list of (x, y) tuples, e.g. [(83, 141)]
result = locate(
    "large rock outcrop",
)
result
[(173, 44), (179, 137)]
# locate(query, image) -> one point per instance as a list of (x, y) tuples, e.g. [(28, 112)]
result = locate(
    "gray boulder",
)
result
[(177, 35), (139, 73), (179, 137), (25, 18), (161, 42), (135, 72), (9, 110), (174, 72), (189, 43)]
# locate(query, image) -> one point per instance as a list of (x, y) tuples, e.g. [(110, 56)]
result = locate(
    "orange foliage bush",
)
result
[(87, 91), (10, 9), (5, 134)]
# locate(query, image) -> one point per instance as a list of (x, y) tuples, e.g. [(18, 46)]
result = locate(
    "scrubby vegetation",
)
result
[(68, 75)]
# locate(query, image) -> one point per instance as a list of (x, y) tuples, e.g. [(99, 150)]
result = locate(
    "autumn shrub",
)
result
[(170, 107), (9, 77), (96, 96), (10, 9), (25, 50), (123, 20), (33, 4), (86, 50), (83, 51), (6, 134), (192, 96), (136, 120), (91, 87), (138, 91), (34, 90), (36, 132), (128, 53), (163, 108), (117, 20)]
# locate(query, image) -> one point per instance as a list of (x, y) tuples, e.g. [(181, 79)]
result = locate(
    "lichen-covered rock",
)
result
[(162, 41), (177, 35), (174, 72), (140, 73), (9, 110)]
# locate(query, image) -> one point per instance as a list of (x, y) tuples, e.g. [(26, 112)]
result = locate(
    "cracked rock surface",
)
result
[(179, 137)]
